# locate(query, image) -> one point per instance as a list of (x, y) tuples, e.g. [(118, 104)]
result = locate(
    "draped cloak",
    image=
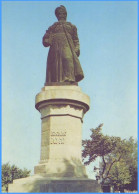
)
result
[(62, 62)]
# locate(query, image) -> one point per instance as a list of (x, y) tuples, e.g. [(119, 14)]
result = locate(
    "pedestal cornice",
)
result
[(62, 95)]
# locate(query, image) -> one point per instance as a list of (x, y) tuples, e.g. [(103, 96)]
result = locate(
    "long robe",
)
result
[(62, 62)]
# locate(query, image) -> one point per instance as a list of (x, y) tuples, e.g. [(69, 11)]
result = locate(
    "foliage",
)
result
[(131, 162), (120, 175), (118, 157), (9, 173)]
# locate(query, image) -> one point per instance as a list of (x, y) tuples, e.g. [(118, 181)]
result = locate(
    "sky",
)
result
[(107, 32)]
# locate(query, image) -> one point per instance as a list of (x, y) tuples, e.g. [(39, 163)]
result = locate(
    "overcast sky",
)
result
[(107, 32)]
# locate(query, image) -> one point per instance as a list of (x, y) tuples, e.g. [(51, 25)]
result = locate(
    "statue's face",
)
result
[(62, 15)]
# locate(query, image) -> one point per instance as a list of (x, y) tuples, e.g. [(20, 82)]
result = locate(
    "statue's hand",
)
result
[(47, 40)]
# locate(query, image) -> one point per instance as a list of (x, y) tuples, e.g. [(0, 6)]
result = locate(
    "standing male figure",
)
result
[(62, 63)]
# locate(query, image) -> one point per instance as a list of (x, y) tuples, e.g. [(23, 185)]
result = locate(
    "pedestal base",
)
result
[(66, 168), (40, 184)]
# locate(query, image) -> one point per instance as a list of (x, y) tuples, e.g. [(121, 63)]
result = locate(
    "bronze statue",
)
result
[(63, 65)]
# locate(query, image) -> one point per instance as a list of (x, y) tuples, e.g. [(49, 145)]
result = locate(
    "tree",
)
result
[(9, 173), (113, 152), (120, 175), (131, 162)]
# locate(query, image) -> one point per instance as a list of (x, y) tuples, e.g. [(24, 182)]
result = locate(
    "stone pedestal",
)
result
[(62, 109), (60, 168)]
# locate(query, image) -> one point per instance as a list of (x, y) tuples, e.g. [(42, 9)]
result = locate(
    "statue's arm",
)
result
[(76, 41)]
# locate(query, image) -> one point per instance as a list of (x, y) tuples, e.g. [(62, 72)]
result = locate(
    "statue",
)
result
[(63, 65)]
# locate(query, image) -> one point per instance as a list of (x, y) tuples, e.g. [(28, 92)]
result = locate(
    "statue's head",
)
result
[(61, 13)]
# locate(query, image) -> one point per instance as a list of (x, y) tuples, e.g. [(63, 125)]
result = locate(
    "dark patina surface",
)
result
[(63, 66)]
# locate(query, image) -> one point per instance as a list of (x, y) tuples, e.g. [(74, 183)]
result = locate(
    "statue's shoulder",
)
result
[(51, 28), (72, 25), (55, 24)]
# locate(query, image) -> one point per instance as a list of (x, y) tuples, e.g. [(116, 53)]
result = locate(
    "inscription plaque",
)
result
[(58, 137)]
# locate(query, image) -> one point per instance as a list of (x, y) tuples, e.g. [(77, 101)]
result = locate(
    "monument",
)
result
[(62, 105)]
